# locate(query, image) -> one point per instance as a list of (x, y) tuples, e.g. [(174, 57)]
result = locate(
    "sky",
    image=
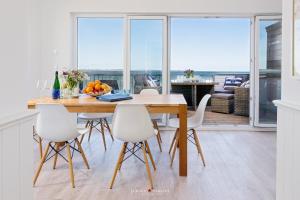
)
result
[(205, 44)]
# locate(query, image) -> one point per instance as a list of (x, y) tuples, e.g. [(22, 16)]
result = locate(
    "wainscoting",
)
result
[(288, 148), (16, 156)]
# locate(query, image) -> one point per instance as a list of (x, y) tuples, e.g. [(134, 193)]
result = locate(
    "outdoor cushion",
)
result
[(224, 91), (233, 81), (222, 96)]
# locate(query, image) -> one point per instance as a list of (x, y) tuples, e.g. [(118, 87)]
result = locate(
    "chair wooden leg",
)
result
[(103, 133), (158, 141), (108, 128), (91, 128), (150, 155), (118, 164), (134, 145), (70, 165), (56, 155), (159, 135), (147, 166), (173, 140), (87, 123), (121, 162), (199, 147), (81, 139), (40, 146), (157, 128), (174, 149), (82, 153), (41, 164)]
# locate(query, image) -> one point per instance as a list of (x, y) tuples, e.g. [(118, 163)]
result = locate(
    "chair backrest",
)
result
[(149, 91), (54, 123), (112, 83), (132, 123), (197, 118)]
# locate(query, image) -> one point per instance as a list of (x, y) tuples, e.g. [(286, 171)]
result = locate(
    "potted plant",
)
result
[(189, 73), (72, 80)]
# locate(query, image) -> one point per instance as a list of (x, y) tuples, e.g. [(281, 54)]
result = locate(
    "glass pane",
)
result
[(210, 46), (100, 49), (146, 54), (269, 69), (215, 49)]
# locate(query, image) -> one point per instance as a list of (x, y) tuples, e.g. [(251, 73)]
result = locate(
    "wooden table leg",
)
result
[(183, 140)]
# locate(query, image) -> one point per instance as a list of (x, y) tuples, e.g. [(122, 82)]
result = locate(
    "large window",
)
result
[(268, 77), (210, 46), (100, 48), (146, 54)]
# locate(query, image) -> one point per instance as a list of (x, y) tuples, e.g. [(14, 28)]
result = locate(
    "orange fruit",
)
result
[(97, 82), (89, 89), (84, 91), (91, 84), (97, 87)]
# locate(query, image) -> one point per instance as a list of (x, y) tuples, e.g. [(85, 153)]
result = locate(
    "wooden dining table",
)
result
[(169, 103)]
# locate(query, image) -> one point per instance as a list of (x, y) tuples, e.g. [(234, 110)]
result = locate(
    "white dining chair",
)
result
[(56, 126), (193, 122), (154, 117), (41, 87), (132, 124), (95, 119)]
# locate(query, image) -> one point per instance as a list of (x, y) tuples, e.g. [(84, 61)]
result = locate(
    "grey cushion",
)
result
[(224, 91), (222, 96)]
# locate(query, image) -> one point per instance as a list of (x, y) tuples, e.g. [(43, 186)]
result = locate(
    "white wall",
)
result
[(290, 85), (18, 48), (57, 20), (288, 139)]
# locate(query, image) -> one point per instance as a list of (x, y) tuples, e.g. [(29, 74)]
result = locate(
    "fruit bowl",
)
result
[(96, 88), (95, 94)]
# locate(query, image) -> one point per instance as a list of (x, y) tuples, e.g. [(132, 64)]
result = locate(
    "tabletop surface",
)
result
[(159, 100)]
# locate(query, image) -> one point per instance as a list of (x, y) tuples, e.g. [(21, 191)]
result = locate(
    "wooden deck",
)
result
[(213, 118)]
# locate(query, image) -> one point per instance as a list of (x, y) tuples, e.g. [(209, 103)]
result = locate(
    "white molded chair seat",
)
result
[(56, 125), (155, 117), (89, 116), (174, 123), (151, 92), (193, 122), (132, 124)]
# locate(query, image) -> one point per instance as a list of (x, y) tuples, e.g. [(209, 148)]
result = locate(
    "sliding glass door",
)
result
[(267, 69), (100, 45), (146, 53)]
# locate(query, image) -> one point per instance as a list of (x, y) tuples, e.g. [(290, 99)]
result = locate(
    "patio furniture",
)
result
[(241, 101), (144, 81), (193, 92), (222, 103), (112, 83)]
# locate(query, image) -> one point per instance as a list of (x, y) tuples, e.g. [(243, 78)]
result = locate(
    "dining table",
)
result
[(164, 103)]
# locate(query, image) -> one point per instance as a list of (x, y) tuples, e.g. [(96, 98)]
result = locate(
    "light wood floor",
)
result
[(240, 166)]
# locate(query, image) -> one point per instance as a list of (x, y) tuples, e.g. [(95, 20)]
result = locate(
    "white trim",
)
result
[(126, 62), (287, 104), (16, 118), (173, 14), (256, 68), (252, 72)]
